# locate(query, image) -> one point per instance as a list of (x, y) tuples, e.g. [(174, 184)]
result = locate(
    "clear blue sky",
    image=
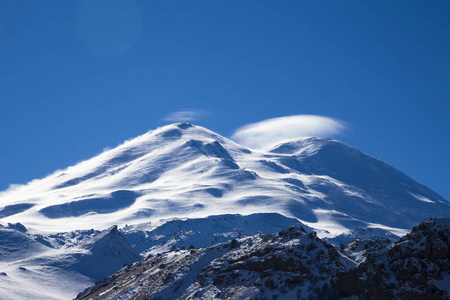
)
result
[(79, 76)]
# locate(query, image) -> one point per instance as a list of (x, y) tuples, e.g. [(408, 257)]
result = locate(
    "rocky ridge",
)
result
[(415, 267), (292, 264)]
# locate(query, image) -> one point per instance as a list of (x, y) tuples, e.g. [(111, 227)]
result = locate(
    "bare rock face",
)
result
[(413, 268), (292, 262)]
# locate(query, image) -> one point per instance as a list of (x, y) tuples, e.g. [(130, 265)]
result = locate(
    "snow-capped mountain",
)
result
[(186, 171), (183, 186)]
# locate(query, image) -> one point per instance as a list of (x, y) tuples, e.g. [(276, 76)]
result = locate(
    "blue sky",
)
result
[(79, 76)]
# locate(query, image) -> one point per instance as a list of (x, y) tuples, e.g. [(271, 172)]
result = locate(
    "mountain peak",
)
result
[(187, 171), (182, 171), (109, 250), (184, 125)]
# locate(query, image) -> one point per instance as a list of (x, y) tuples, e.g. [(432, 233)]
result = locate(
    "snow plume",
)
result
[(269, 132), (187, 115)]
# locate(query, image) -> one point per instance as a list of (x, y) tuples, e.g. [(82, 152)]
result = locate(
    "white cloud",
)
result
[(185, 115), (269, 132)]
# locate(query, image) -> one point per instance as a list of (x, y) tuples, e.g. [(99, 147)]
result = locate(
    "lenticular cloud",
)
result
[(269, 132)]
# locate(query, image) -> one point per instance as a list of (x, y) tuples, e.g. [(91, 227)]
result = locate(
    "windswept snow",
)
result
[(186, 171)]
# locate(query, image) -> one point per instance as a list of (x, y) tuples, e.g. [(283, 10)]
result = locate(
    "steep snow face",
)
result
[(107, 251), (384, 185), (186, 171)]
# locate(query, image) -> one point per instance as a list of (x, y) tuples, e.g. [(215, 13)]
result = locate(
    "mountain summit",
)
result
[(187, 171)]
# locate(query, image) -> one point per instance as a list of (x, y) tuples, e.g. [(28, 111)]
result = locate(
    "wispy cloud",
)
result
[(273, 131), (187, 115)]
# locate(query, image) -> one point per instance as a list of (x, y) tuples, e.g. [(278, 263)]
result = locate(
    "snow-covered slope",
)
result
[(36, 267), (186, 171), (369, 234), (204, 232)]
